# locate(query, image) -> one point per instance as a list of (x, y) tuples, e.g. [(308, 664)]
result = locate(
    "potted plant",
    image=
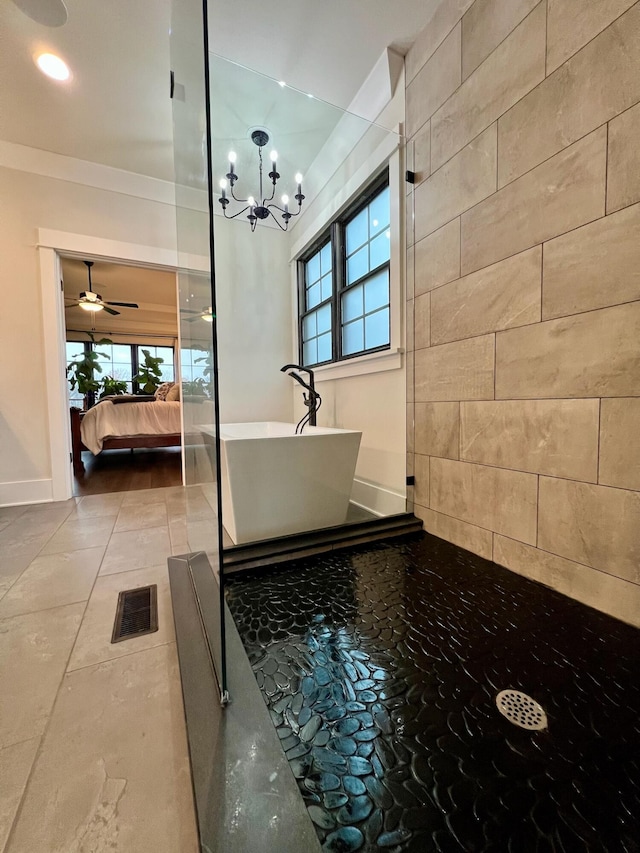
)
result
[(149, 376), (82, 370), (112, 387)]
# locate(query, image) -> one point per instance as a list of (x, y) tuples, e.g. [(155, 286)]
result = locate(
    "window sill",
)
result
[(375, 362)]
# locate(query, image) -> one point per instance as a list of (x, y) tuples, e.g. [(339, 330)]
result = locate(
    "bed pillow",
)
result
[(173, 394), (163, 390)]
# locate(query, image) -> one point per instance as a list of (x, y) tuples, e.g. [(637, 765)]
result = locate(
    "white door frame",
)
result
[(51, 245)]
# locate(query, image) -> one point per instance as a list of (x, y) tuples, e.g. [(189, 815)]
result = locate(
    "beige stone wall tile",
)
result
[(410, 427), (595, 266), (594, 525), (501, 296), (588, 355), (437, 257), (421, 473), (459, 371), (611, 595), (620, 443), (563, 193), (410, 464), (464, 535), (422, 155), (493, 498), (485, 25), (422, 321), (512, 70), (435, 82), (409, 220), (437, 429), (410, 378), (411, 272), (596, 84), (465, 180), (623, 173), (410, 337), (409, 160), (443, 19), (554, 437), (573, 23)]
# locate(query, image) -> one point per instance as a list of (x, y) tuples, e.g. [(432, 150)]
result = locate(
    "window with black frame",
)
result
[(343, 284)]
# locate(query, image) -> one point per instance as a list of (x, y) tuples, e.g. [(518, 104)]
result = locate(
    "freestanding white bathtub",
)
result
[(275, 483)]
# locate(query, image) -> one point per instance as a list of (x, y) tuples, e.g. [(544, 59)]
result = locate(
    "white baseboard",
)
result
[(26, 492), (376, 499)]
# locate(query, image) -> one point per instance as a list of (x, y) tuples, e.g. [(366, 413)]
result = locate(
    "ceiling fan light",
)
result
[(91, 306), (208, 316), (53, 66)]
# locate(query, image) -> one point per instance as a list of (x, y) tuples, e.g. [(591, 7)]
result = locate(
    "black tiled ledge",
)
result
[(269, 552)]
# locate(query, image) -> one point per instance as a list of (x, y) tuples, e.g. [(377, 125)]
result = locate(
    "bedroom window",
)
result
[(121, 362), (343, 284)]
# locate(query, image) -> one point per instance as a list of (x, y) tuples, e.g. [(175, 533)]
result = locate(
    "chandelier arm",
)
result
[(239, 213), (282, 210), (235, 198), (280, 226)]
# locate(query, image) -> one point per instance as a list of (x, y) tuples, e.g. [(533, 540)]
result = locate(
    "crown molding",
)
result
[(59, 167)]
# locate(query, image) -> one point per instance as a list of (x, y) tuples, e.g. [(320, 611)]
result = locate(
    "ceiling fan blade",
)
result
[(189, 311), (49, 13), (109, 310), (123, 304)]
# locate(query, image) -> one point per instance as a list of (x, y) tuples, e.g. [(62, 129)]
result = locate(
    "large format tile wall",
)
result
[(523, 311)]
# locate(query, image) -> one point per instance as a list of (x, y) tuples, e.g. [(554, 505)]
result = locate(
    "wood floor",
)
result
[(126, 470)]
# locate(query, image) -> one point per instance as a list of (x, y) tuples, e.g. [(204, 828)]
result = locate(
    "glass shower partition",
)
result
[(199, 529)]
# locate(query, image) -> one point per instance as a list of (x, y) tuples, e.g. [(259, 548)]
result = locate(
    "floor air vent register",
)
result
[(136, 614)]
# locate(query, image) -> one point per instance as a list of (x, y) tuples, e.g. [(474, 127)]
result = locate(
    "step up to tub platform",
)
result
[(238, 558)]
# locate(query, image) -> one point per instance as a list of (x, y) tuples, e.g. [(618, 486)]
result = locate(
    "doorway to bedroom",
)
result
[(122, 356)]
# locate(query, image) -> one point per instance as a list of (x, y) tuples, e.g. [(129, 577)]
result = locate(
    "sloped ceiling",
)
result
[(116, 108)]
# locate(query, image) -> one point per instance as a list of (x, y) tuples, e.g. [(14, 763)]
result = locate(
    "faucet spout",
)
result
[(313, 401)]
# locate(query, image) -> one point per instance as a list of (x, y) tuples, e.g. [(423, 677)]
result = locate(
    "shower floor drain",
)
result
[(521, 710)]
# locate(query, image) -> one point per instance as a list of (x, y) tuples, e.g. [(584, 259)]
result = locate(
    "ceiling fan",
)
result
[(49, 13), (91, 301), (205, 313)]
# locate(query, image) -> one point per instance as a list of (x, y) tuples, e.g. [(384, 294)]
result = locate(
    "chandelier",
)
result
[(263, 207)]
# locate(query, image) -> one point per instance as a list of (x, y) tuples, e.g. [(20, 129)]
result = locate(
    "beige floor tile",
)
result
[(136, 549), (34, 650), (94, 638), (136, 517), (143, 496), (15, 764), (98, 505), (12, 565), (11, 513), (125, 784), (202, 535), (53, 580), (80, 533)]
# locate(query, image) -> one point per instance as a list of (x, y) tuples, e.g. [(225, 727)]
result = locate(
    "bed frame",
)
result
[(121, 442)]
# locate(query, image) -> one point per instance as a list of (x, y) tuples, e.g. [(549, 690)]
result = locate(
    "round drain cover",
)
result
[(521, 710)]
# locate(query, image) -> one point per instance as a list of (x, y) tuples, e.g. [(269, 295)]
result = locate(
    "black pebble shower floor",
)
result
[(380, 667)]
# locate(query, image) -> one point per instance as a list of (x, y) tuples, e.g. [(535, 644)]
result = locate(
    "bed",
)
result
[(107, 426)]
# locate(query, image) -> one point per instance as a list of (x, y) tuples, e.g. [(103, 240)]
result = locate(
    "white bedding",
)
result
[(106, 420)]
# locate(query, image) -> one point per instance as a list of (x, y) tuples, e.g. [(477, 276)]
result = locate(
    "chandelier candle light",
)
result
[(264, 207)]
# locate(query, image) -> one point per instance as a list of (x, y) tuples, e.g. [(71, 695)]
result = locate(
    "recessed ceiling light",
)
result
[(53, 66)]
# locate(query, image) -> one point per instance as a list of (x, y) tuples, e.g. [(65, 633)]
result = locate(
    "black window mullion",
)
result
[(337, 265), (302, 305), (135, 388)]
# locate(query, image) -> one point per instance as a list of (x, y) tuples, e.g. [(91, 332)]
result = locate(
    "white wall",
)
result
[(372, 400), (254, 322), (28, 202)]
